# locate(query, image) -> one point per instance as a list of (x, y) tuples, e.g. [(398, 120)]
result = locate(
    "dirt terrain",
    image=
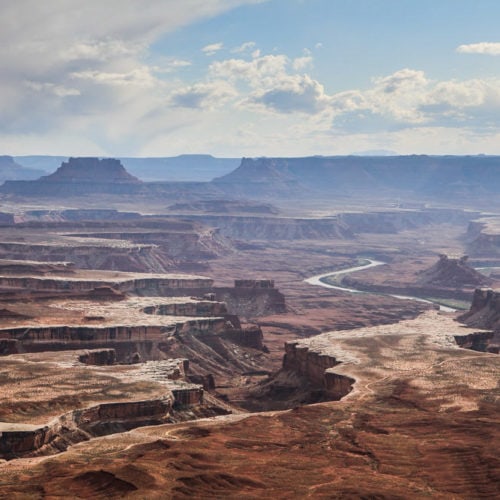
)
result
[(175, 350)]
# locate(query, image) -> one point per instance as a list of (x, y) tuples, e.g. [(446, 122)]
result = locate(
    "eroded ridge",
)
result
[(100, 355)]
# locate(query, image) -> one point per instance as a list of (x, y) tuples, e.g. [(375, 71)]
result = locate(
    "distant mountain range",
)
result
[(428, 176), (183, 168), (10, 169), (287, 179)]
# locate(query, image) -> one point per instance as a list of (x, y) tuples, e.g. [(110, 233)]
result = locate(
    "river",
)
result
[(318, 280)]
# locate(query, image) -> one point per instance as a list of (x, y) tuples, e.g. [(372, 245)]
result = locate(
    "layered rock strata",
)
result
[(316, 367), (164, 383)]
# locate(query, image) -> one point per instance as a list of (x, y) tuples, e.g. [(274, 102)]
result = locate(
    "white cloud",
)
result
[(139, 77), (84, 65), (489, 48), (213, 48), (294, 93), (270, 83), (258, 71), (203, 95), (408, 99), (301, 63), (244, 47)]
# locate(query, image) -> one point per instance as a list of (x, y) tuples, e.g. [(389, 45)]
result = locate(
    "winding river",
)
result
[(318, 280)]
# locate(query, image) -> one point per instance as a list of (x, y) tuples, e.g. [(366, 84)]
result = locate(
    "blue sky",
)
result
[(249, 77)]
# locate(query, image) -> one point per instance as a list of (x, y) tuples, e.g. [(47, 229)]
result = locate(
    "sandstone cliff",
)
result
[(485, 309)]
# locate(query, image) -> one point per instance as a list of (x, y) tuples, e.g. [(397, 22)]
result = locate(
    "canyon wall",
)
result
[(316, 366), (151, 286), (80, 425), (485, 309)]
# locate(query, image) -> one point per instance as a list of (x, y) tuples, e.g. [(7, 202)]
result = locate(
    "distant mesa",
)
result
[(79, 176), (326, 176), (452, 272), (107, 170), (11, 170)]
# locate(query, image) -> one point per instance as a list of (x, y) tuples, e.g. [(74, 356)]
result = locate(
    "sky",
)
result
[(250, 78)]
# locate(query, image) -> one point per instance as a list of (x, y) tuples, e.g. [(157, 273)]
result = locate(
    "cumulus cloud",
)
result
[(203, 95), (489, 48), (258, 71), (292, 94), (301, 63), (213, 48), (408, 99), (272, 84)]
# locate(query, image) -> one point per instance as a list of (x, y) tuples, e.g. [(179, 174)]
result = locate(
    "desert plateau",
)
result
[(249, 249), (241, 346)]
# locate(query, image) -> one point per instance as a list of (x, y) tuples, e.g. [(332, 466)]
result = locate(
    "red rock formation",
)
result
[(188, 396), (485, 309), (79, 425), (452, 272), (316, 368)]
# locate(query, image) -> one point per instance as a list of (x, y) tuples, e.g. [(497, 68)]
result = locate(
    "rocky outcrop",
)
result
[(255, 298), (79, 425), (452, 272), (316, 366), (480, 341), (249, 336), (484, 311), (187, 396), (252, 298)]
